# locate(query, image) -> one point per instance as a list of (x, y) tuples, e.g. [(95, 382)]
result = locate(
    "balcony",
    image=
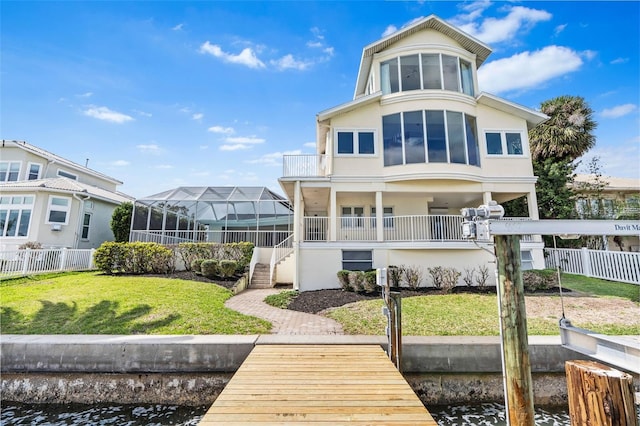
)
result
[(304, 166), (417, 228)]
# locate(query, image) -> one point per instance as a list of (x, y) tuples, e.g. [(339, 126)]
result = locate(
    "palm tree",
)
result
[(568, 134)]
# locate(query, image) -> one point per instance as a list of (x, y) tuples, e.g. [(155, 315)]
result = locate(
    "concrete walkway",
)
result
[(250, 302)]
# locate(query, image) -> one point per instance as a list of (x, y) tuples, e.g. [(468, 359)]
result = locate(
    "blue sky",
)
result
[(163, 94)]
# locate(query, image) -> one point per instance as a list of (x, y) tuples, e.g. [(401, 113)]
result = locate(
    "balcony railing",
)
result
[(304, 165)]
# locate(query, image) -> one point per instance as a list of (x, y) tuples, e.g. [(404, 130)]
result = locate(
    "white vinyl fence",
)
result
[(609, 265), (31, 261)]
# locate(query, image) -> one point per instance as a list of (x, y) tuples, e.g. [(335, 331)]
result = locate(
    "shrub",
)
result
[(195, 266), (209, 268), (450, 277), (134, 258), (370, 285), (412, 276), (109, 257), (436, 276), (34, 245), (468, 276), (356, 280), (239, 252), (483, 276), (227, 268), (343, 279), (535, 280), (394, 275)]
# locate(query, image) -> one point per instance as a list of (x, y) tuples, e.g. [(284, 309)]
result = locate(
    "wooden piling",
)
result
[(599, 395), (513, 322)]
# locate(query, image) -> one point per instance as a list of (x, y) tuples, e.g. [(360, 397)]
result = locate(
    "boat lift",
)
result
[(484, 222)]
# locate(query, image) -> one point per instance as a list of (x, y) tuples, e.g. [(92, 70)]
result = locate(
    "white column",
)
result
[(297, 229), (532, 205), (333, 215), (486, 197), (379, 217)]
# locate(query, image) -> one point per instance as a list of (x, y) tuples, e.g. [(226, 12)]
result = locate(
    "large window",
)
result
[(58, 210), (504, 143), (357, 260), (430, 136), (429, 71), (9, 171), (15, 215), (360, 142)]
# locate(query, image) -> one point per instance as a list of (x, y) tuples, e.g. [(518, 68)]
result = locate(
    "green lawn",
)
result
[(92, 303), (598, 287)]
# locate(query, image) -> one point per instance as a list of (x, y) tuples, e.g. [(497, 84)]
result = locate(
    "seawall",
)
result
[(193, 370)]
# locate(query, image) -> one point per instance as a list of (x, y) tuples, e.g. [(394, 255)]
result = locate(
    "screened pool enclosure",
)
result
[(221, 214)]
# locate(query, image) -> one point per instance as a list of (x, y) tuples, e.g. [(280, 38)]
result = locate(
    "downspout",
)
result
[(76, 240)]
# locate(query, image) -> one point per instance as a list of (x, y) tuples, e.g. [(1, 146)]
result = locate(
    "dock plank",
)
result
[(317, 384)]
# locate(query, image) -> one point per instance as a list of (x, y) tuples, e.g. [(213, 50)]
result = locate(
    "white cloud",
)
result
[(620, 61), (178, 27), (142, 113), (274, 158), (389, 30), (119, 163), (559, 29), (164, 166), (310, 145), (234, 147), (221, 130), (623, 161), (105, 114), (85, 95), (289, 62), (494, 30), (589, 54), (197, 116), (247, 57), (244, 140), (618, 111), (508, 74), (473, 10), (149, 148)]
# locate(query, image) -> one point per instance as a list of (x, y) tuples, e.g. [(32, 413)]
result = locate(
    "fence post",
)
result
[(63, 258), (91, 253), (586, 262), (25, 261)]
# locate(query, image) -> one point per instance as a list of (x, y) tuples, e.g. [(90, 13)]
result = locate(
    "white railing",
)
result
[(279, 252), (304, 165), (258, 238), (31, 261), (609, 265), (255, 258)]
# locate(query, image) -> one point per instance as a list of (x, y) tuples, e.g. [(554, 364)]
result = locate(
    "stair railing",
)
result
[(280, 251), (255, 258)]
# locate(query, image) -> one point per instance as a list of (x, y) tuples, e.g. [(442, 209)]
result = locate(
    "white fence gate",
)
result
[(15, 263), (609, 265)]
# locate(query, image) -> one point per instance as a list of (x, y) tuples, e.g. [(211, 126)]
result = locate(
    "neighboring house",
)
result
[(54, 201), (600, 197), (394, 166)]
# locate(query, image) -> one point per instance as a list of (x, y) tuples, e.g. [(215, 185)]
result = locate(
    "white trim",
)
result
[(22, 206), (356, 141), (503, 143), (9, 163)]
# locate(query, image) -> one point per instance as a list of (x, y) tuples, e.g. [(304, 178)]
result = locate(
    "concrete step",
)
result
[(261, 276)]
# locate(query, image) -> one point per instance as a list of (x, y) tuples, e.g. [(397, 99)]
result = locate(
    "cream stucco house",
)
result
[(394, 166), (48, 199)]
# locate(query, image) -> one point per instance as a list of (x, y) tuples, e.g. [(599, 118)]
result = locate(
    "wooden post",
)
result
[(513, 322), (599, 395)]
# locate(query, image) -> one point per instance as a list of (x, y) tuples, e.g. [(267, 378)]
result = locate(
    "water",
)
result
[(96, 414), (494, 414)]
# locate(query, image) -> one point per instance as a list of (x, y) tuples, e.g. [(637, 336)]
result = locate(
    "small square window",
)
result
[(365, 143), (514, 144), (494, 143), (345, 143)]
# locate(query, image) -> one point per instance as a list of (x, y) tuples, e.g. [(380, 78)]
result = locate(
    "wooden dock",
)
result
[(317, 384)]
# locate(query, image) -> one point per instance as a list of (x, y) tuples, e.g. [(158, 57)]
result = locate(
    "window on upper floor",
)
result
[(355, 142), (430, 136), (58, 210), (64, 173), (15, 215), (429, 71), (504, 143), (9, 171), (34, 171)]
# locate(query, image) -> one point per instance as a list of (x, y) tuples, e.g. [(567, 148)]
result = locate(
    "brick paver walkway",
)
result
[(250, 302)]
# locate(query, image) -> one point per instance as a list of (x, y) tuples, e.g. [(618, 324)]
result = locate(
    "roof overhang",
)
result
[(473, 45), (532, 116)]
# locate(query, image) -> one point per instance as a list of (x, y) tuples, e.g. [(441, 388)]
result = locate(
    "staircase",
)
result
[(261, 278)]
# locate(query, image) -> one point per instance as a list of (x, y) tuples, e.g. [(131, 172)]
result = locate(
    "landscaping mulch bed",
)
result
[(192, 276)]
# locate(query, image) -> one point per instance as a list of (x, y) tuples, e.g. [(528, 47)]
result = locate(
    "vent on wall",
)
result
[(56, 227)]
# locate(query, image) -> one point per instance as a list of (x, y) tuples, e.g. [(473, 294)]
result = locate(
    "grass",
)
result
[(281, 300), (475, 315), (91, 303), (598, 287)]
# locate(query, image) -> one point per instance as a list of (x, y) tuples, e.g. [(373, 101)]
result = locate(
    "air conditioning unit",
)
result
[(56, 227)]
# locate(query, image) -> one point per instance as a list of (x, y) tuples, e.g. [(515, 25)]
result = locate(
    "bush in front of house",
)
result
[(226, 268), (196, 266), (133, 258), (370, 285), (209, 268), (238, 252), (539, 279), (450, 277), (356, 280), (412, 276), (343, 279)]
